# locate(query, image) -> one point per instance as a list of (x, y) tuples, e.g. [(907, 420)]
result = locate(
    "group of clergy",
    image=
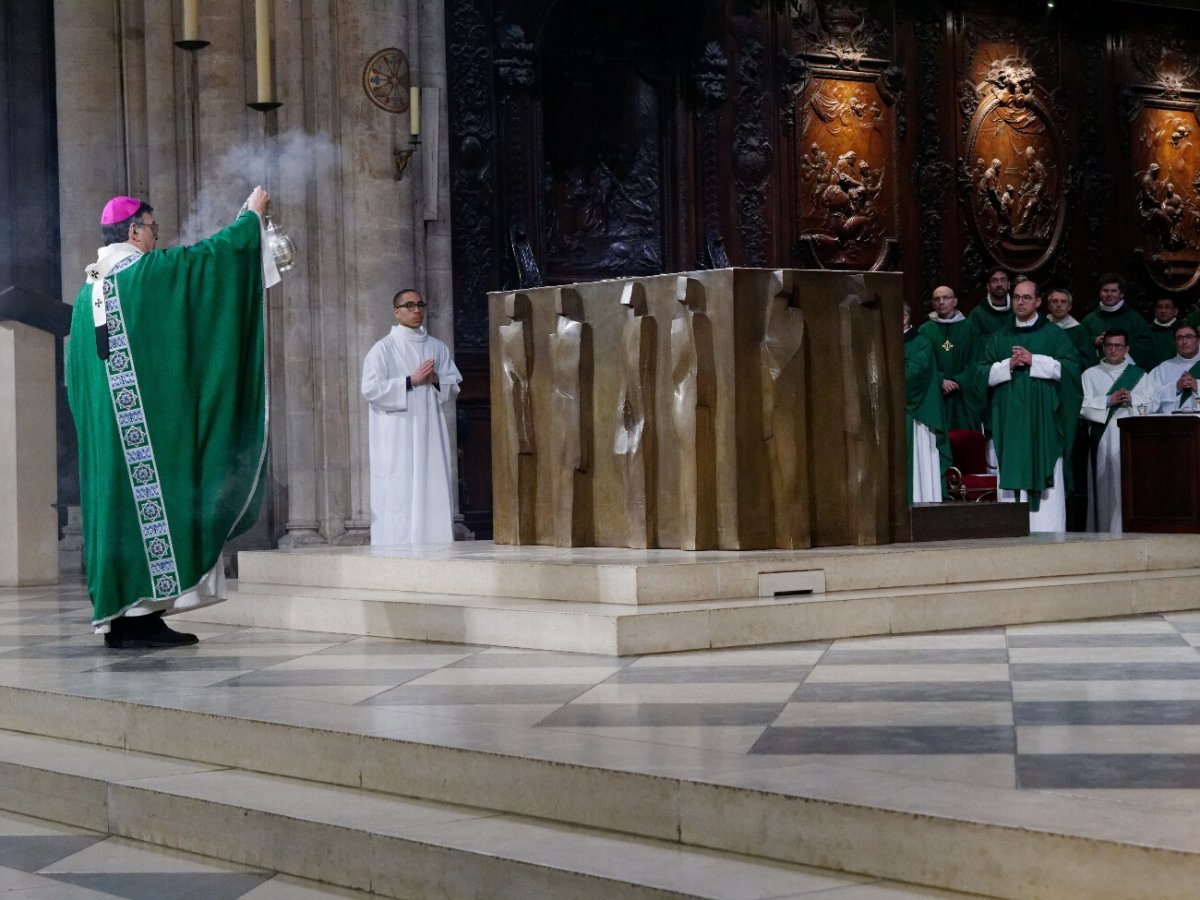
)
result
[(1033, 382)]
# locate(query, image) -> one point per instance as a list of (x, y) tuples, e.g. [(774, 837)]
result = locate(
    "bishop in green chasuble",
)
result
[(172, 424), (1034, 373)]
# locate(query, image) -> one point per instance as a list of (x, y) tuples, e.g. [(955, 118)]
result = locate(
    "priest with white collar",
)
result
[(1162, 332), (955, 341), (1058, 310), (996, 310), (1114, 312), (1033, 372), (407, 378), (1173, 381), (1112, 389)]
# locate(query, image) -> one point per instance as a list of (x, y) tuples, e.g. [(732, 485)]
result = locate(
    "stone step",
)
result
[(963, 837), (388, 845), (640, 577), (623, 629)]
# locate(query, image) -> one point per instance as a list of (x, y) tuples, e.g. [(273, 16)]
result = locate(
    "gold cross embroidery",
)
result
[(947, 346)]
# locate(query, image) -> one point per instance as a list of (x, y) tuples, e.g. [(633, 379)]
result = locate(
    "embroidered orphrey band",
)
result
[(139, 452)]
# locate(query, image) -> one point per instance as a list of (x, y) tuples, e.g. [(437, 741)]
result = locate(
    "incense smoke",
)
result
[(285, 164)]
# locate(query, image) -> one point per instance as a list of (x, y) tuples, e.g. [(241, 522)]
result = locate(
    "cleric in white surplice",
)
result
[(407, 377)]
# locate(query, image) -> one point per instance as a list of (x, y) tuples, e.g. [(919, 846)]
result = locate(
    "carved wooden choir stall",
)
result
[(730, 409)]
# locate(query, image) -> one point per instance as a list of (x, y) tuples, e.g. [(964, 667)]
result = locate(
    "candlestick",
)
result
[(191, 27), (262, 47), (414, 111)]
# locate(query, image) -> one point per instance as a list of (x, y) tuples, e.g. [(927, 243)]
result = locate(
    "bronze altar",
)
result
[(733, 409)]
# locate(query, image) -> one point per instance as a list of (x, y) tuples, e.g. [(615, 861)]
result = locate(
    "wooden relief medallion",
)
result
[(1166, 171), (1014, 156), (846, 189)]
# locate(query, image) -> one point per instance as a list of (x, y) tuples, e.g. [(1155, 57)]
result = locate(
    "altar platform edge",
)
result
[(619, 602)]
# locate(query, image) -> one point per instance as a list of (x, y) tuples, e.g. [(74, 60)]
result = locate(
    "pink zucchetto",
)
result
[(118, 209)]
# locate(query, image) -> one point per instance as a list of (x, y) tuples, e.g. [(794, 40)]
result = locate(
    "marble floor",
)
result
[(1101, 709), (47, 861)]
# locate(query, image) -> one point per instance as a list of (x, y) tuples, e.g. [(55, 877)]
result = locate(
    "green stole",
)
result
[(1127, 380), (172, 427), (1186, 393)]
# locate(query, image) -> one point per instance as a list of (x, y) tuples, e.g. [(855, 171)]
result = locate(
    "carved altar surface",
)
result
[(730, 409)]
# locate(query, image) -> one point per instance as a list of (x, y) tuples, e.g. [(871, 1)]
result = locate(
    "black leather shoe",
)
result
[(145, 633)]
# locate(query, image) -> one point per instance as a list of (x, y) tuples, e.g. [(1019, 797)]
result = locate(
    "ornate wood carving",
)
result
[(607, 92), (712, 90), (1166, 162), (473, 172), (1091, 187), (1014, 159), (931, 173), (752, 151), (515, 79), (846, 144)]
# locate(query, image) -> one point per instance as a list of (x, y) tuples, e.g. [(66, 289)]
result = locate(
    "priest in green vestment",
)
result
[(1033, 372), (995, 312), (166, 381), (955, 341), (1162, 333), (1058, 310), (928, 447), (1114, 312)]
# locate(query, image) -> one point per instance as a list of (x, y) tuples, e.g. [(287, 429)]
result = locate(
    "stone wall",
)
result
[(138, 115)]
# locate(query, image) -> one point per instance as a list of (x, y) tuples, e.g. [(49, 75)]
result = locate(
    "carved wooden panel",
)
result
[(843, 106), (847, 188), (1166, 169), (1013, 163)]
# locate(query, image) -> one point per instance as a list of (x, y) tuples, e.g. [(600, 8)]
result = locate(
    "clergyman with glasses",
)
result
[(407, 377), (166, 380), (1112, 389)]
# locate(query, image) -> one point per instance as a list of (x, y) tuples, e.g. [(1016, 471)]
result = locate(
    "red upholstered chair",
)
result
[(969, 478)]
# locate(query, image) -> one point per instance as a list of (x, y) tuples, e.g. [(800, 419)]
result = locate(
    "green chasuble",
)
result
[(1081, 340), (1162, 344), (989, 320), (1140, 346), (172, 426), (923, 399), (1033, 419), (954, 346)]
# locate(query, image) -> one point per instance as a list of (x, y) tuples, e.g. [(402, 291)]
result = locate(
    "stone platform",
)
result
[(622, 602), (1035, 761)]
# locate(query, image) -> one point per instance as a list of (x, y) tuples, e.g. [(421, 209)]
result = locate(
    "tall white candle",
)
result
[(262, 49), (191, 20), (414, 111)]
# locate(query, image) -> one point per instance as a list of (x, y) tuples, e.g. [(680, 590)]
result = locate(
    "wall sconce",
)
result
[(402, 157)]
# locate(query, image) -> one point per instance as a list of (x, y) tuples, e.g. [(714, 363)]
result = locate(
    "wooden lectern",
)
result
[(1160, 473)]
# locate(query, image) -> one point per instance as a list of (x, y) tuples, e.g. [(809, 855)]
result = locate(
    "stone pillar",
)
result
[(28, 480)]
